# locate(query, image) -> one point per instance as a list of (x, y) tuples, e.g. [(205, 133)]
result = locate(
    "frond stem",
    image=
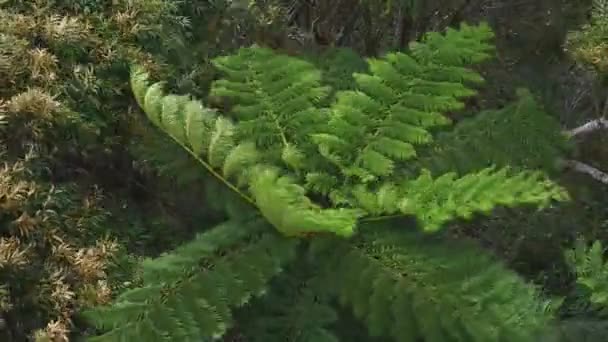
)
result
[(381, 218), (214, 173), (283, 137)]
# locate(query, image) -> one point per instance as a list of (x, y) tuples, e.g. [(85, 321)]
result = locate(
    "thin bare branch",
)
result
[(589, 127), (589, 170)]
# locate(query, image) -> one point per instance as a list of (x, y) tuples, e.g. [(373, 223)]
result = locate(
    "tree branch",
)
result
[(589, 170), (589, 127)]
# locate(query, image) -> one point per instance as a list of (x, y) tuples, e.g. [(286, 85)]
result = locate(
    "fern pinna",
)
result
[(326, 186)]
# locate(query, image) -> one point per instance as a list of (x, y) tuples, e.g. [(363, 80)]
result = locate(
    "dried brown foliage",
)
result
[(53, 259), (45, 263)]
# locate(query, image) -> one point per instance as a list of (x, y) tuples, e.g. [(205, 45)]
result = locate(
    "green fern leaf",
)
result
[(436, 201), (275, 99), (322, 183), (296, 309), (293, 157), (240, 158), (405, 287), (591, 270), (197, 125), (521, 135), (221, 142), (285, 205), (172, 120), (187, 304), (173, 266), (153, 103), (139, 84), (398, 102)]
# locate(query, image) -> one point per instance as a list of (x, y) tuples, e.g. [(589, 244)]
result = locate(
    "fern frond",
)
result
[(301, 321), (275, 98), (591, 269), (295, 309), (238, 159), (167, 159), (198, 130), (213, 141), (196, 305), (172, 266), (521, 135), (435, 201), (187, 121), (284, 203), (338, 66), (373, 128), (407, 288), (457, 47)]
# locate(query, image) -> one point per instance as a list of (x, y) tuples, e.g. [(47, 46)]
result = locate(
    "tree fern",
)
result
[(309, 170)]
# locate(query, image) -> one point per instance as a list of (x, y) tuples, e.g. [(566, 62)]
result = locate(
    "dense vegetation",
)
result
[(303, 170)]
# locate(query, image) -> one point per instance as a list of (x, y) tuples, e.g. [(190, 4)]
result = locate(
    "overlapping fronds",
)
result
[(374, 130), (519, 135), (338, 66), (304, 320), (407, 288), (349, 153), (187, 121), (376, 126), (285, 205), (274, 98), (277, 149), (184, 299), (235, 160), (294, 311), (586, 308)]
